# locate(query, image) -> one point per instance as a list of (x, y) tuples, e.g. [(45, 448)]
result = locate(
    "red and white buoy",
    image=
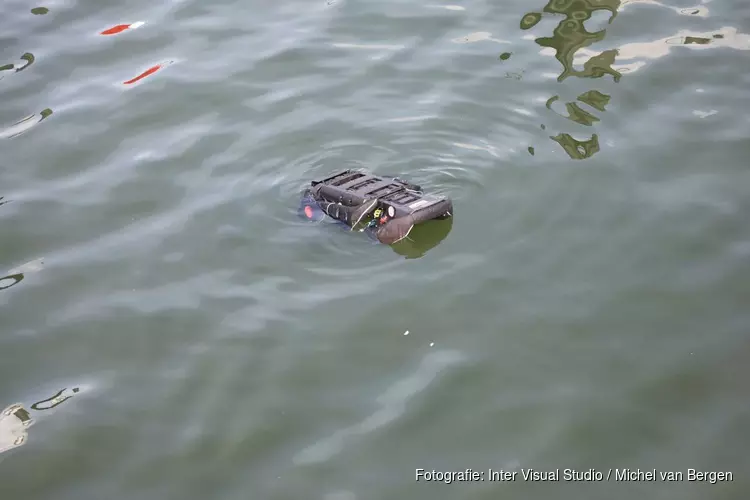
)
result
[(119, 28)]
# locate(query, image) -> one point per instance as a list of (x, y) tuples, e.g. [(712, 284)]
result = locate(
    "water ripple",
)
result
[(238, 341), (393, 404)]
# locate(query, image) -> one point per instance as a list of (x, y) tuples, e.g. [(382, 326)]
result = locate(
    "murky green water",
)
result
[(169, 329)]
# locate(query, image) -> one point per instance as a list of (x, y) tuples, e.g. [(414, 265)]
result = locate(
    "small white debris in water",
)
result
[(704, 114), (447, 7), (406, 332), (479, 36), (30, 267), (432, 344)]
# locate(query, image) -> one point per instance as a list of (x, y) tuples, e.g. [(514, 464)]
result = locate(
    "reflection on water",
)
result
[(14, 423), (575, 113), (578, 150), (56, 400), (150, 71), (30, 121), (530, 20), (423, 238), (446, 7), (569, 45), (33, 266), (592, 98), (119, 28), (28, 60), (10, 280), (24, 124), (15, 276), (595, 99), (479, 36), (15, 419), (699, 11), (632, 56), (569, 37)]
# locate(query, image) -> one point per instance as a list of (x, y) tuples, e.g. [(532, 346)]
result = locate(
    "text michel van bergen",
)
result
[(470, 475)]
